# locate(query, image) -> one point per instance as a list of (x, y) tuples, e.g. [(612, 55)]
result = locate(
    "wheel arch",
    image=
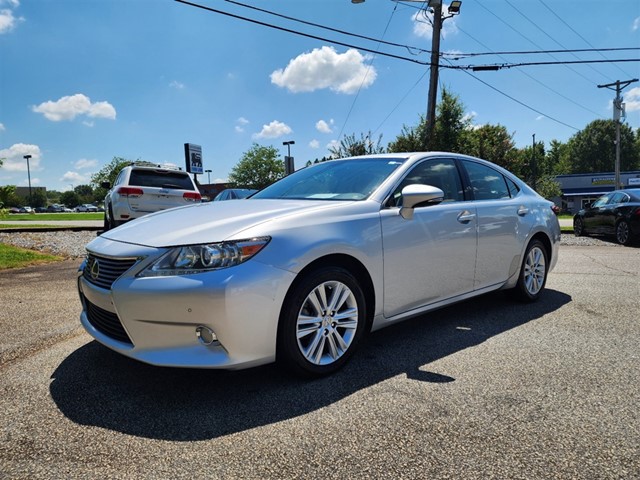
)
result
[(355, 267)]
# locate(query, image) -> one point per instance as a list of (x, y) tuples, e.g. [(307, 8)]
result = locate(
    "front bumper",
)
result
[(154, 319)]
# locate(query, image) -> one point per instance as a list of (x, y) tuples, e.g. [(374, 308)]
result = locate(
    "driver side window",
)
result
[(440, 173)]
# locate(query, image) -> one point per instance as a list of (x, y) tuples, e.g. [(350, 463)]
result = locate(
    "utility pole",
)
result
[(618, 112), (433, 73), (534, 167), (27, 157)]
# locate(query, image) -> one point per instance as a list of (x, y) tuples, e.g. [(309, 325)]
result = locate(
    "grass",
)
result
[(19, 217), (30, 225), (14, 257)]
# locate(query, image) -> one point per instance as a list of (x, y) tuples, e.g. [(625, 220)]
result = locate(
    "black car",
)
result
[(616, 213)]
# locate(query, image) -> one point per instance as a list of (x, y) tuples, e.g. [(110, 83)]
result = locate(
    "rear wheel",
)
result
[(533, 273), (623, 232), (578, 227), (322, 322)]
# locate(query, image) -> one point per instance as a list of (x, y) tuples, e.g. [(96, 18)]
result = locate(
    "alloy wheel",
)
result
[(534, 270)]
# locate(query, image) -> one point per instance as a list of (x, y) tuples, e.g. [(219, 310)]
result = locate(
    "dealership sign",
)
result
[(193, 158), (603, 181)]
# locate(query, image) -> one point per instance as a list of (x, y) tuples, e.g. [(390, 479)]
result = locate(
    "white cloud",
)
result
[(636, 24), (177, 85), (540, 117), (333, 144), (274, 130), (423, 28), (632, 100), (2, 129), (69, 107), (14, 157), (469, 116), (325, 68), (324, 127), (85, 163), (314, 144), (240, 123), (75, 178), (7, 21)]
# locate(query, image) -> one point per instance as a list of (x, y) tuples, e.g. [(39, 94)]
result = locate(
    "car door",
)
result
[(609, 212), (431, 256), (594, 215), (504, 221)]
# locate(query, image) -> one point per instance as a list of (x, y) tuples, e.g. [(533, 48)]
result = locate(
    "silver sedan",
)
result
[(302, 270)]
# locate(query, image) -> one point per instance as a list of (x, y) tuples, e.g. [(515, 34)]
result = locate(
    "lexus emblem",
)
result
[(95, 269)]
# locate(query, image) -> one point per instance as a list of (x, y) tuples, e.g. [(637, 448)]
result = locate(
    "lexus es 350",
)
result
[(304, 269)]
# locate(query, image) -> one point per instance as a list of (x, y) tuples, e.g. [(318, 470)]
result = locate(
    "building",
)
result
[(582, 188)]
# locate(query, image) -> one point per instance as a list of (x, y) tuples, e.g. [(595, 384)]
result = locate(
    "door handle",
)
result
[(522, 210), (466, 216)]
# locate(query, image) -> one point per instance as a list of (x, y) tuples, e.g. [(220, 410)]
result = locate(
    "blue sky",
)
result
[(82, 81)]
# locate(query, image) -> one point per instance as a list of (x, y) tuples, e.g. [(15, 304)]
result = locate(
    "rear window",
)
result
[(160, 179)]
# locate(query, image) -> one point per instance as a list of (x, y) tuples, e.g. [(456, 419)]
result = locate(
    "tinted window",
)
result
[(600, 202), (486, 183), (160, 179), (617, 198), (441, 173)]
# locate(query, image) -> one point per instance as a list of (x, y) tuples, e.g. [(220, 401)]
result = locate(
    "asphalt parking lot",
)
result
[(486, 389)]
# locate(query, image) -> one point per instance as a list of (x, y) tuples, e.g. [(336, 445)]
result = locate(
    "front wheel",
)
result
[(533, 273), (322, 322), (623, 232)]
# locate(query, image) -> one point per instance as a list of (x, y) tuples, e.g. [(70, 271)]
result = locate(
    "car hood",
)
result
[(209, 222)]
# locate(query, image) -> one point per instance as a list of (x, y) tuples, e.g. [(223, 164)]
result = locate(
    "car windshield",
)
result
[(354, 179)]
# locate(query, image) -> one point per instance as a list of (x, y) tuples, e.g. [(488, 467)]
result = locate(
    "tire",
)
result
[(578, 227), (623, 232), (322, 321), (533, 273), (111, 223)]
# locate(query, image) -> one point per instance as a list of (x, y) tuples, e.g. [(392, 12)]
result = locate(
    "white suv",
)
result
[(141, 190)]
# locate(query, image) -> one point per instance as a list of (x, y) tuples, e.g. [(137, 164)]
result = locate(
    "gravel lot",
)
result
[(71, 244)]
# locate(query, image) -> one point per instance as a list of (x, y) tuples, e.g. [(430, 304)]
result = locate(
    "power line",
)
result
[(497, 66), (578, 34), (458, 55), (520, 102), (529, 40), (295, 32), (534, 78)]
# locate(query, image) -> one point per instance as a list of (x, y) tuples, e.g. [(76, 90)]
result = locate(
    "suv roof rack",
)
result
[(164, 166)]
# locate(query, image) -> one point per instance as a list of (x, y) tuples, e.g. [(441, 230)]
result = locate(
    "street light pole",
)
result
[(27, 157), (208, 176)]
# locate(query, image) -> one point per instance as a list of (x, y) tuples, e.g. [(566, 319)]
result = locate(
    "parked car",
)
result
[(55, 208), (140, 190), (41, 209), (302, 270), (616, 213), (86, 207), (17, 210), (233, 194)]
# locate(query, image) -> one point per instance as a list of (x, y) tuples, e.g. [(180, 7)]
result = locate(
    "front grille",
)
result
[(106, 322), (103, 271)]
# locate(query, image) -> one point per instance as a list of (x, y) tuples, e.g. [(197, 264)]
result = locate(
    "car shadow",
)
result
[(95, 386)]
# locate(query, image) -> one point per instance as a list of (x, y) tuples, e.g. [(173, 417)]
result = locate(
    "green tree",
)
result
[(70, 199), (8, 197), (548, 187), (448, 133), (85, 193), (350, 146), (108, 173), (593, 148), (493, 143), (38, 198), (258, 168), (450, 124), (559, 158)]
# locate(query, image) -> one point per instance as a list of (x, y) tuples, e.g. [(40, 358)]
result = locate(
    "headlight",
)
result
[(192, 259)]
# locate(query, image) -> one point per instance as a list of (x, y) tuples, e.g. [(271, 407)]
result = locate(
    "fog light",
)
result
[(206, 335)]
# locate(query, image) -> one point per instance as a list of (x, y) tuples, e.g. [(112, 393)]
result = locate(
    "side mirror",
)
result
[(106, 185), (413, 195)]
